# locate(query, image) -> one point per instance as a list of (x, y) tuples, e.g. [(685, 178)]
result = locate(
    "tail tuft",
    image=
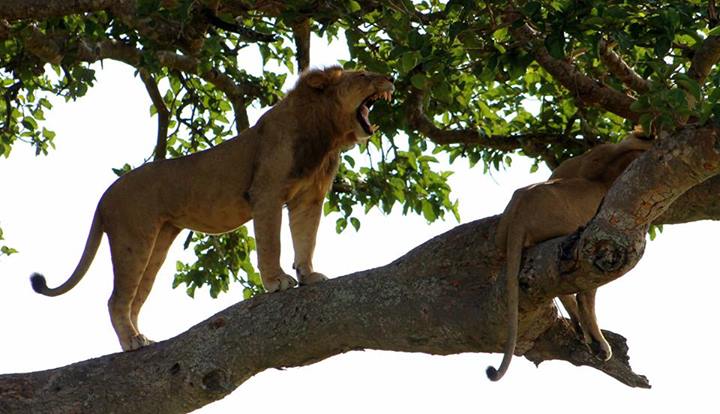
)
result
[(38, 282), (492, 374)]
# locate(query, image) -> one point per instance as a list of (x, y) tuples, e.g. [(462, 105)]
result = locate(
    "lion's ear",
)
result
[(334, 74), (321, 79), (317, 79)]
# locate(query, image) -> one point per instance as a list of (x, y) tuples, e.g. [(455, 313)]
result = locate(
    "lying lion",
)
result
[(554, 208), (289, 158)]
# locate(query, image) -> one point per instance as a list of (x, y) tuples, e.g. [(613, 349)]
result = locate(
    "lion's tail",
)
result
[(37, 280), (515, 243)]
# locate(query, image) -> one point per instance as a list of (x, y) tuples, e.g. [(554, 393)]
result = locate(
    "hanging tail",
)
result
[(37, 280), (512, 272)]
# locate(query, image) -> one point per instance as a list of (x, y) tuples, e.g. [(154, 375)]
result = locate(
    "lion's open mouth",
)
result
[(363, 111)]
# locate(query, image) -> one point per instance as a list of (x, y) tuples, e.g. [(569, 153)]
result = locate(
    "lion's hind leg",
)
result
[(571, 306), (162, 243), (130, 251)]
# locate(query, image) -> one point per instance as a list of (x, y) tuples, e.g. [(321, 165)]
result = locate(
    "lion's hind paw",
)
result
[(312, 278), (138, 341)]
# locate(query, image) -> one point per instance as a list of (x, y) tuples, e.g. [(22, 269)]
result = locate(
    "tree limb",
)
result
[(560, 342), (620, 69), (52, 49), (705, 58), (242, 122), (301, 34), (43, 9), (247, 35), (581, 86), (162, 112), (698, 203), (417, 120), (444, 297)]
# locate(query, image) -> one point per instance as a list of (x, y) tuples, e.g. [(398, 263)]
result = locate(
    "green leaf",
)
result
[(47, 133), (340, 225), (640, 105), (409, 60), (355, 223), (555, 44), (690, 85), (30, 123), (7, 250), (662, 46), (654, 230), (428, 212), (419, 81)]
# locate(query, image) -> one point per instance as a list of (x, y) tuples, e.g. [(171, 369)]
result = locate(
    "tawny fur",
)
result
[(289, 158), (554, 208)]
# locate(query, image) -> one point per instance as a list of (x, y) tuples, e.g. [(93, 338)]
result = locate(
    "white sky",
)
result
[(665, 306)]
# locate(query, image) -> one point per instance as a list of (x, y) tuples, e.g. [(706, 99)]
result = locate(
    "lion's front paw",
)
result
[(138, 341), (279, 282), (312, 278)]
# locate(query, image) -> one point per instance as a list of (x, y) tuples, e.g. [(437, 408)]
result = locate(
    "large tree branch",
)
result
[(444, 297), (705, 58), (587, 90)]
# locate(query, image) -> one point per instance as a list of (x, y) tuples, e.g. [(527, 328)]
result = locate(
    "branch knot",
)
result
[(608, 256)]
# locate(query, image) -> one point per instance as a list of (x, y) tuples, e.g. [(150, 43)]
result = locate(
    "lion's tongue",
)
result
[(362, 115)]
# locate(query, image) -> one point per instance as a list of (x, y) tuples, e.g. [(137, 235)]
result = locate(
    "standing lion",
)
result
[(289, 158)]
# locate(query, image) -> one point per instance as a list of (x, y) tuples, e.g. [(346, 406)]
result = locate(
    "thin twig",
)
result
[(162, 112)]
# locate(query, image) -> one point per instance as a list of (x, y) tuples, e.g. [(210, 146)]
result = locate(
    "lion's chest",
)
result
[(316, 181)]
